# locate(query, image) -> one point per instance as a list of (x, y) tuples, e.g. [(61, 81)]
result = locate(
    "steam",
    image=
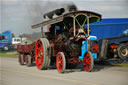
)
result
[(72, 7), (37, 9), (20, 15)]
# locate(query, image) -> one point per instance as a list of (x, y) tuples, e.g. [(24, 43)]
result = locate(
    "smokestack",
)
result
[(72, 8)]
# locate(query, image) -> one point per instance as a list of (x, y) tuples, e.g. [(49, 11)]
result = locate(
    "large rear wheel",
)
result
[(41, 53), (88, 62), (60, 62)]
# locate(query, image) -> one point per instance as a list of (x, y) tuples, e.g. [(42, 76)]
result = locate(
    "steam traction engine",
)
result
[(67, 40)]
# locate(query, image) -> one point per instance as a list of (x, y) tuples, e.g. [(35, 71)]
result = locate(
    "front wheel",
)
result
[(88, 61), (60, 62)]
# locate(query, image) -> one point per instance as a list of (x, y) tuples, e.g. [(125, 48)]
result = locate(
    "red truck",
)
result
[(26, 53)]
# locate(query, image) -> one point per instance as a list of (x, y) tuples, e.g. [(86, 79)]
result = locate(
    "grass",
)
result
[(12, 54), (124, 64)]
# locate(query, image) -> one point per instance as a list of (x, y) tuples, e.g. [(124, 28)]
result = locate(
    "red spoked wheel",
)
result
[(41, 53), (60, 62), (42, 56), (88, 61)]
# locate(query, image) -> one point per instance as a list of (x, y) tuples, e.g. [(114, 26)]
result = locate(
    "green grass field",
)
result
[(12, 54), (124, 64)]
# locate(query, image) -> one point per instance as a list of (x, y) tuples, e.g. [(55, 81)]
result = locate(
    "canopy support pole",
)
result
[(74, 26), (88, 25), (42, 33)]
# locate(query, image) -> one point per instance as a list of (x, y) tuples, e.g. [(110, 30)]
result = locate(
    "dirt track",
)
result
[(11, 73)]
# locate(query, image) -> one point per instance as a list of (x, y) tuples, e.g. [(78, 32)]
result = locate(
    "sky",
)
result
[(19, 15)]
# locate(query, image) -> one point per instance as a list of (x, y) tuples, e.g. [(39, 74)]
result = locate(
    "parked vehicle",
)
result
[(6, 40), (16, 40), (112, 35)]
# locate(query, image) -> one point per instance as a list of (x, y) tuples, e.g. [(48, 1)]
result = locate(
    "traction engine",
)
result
[(67, 41)]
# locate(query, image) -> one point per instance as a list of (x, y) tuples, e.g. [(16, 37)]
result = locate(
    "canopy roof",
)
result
[(93, 17)]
